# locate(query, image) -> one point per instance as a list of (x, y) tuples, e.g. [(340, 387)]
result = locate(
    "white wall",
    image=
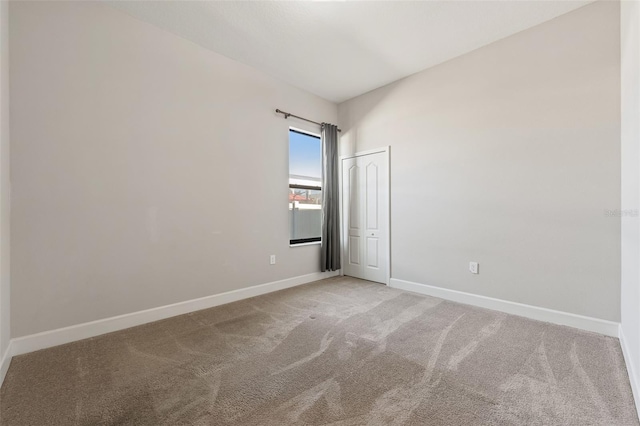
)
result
[(5, 331), (508, 156), (630, 166), (146, 170)]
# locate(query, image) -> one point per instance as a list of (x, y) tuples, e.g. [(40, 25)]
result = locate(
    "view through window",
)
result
[(305, 187)]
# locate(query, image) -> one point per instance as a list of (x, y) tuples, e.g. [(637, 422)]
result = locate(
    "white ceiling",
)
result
[(339, 50)]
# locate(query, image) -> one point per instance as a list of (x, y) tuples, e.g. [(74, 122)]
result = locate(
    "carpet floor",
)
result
[(339, 351)]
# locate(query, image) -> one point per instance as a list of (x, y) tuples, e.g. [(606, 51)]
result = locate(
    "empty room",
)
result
[(320, 213)]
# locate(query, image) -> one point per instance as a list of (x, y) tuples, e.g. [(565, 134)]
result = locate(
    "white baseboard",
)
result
[(608, 328), (47, 339), (4, 363), (632, 370)]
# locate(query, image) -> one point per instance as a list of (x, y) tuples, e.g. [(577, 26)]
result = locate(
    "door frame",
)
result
[(387, 151)]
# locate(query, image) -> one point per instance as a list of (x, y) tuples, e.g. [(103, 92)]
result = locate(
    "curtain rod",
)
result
[(288, 114)]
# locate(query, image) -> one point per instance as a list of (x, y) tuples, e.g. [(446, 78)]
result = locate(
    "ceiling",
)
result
[(339, 50)]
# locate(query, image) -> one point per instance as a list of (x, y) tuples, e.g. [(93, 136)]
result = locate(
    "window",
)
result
[(305, 187)]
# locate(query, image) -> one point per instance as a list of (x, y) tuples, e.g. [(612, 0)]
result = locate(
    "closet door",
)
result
[(365, 216)]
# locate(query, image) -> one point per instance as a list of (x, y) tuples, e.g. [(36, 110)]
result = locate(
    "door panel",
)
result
[(372, 252), (354, 250), (371, 194), (354, 212), (365, 207)]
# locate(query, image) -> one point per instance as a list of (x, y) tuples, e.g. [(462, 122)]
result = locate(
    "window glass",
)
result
[(305, 187)]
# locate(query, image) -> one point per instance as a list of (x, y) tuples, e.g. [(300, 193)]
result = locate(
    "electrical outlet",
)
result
[(272, 259), (473, 267)]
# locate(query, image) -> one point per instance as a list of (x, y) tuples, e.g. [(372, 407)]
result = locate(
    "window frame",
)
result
[(313, 240)]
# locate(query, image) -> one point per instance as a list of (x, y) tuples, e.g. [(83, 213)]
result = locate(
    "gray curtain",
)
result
[(330, 253)]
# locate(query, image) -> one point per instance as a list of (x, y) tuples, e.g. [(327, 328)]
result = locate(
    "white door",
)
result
[(365, 216)]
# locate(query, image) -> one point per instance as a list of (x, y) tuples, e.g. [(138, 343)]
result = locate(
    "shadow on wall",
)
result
[(351, 114)]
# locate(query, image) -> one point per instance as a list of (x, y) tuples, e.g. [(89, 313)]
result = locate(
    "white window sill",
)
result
[(312, 243)]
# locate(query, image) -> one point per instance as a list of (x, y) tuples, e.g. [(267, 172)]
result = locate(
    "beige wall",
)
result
[(630, 300), (5, 332), (146, 170), (508, 156)]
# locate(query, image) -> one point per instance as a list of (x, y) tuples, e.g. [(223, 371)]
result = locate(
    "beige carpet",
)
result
[(339, 351)]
